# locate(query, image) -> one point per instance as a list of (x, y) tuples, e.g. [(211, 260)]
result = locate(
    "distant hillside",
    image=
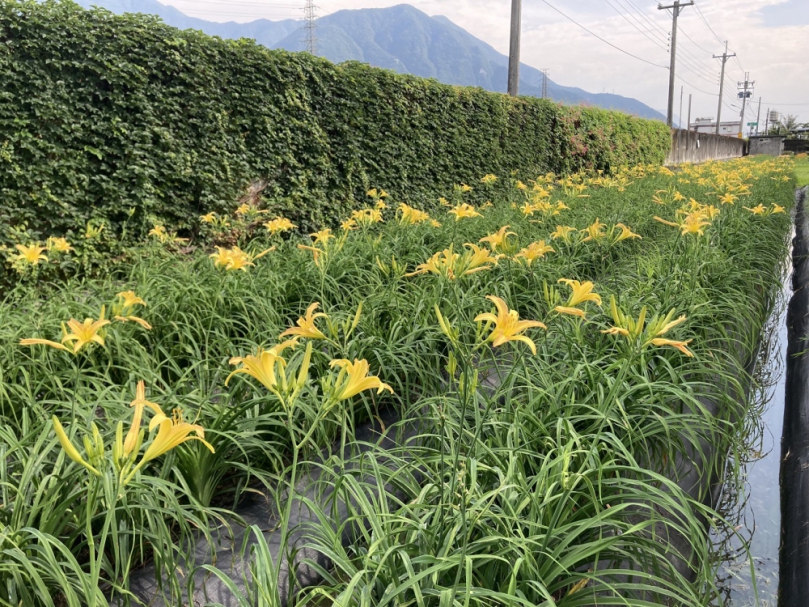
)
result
[(401, 38)]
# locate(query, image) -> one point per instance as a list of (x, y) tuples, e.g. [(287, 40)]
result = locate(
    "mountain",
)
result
[(400, 38)]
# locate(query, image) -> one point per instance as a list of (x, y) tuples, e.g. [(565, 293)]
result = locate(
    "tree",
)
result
[(787, 125)]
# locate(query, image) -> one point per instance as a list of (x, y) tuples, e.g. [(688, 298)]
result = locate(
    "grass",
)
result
[(551, 486), (802, 171)]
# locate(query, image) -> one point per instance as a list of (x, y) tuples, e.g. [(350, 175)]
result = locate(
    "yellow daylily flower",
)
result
[(306, 325), (140, 402), (164, 236), (172, 432), (595, 231), (727, 198), (235, 258), (777, 208), (209, 218), (349, 224), (82, 334), (534, 251), (69, 448), (60, 245), (135, 319), (410, 216), (689, 223), (463, 210), (278, 225), (129, 299), (498, 240), (570, 311), (488, 179), (453, 265), (680, 345), (316, 253), (581, 292), (377, 195), (694, 224), (757, 210), (323, 235), (91, 231), (441, 264), (353, 379), (31, 254), (121, 310), (625, 233), (265, 365), (366, 217), (44, 342), (507, 325), (563, 233)]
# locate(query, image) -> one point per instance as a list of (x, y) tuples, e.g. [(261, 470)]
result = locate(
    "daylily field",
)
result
[(548, 342)]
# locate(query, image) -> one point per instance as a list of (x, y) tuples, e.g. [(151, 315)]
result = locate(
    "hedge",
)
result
[(124, 119)]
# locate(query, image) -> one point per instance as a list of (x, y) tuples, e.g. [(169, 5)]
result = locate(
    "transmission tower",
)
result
[(310, 26), (544, 83)]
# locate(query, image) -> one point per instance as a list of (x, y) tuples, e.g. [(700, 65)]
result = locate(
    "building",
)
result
[(771, 145), (707, 125), (802, 132)]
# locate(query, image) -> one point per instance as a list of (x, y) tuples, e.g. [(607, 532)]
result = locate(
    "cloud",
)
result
[(791, 12), (771, 42)]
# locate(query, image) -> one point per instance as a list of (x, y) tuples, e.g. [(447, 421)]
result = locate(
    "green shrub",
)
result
[(124, 120)]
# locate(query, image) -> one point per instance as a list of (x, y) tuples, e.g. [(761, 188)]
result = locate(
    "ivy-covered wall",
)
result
[(127, 120)]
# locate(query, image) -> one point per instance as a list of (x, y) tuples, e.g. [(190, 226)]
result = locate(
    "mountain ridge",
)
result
[(401, 38)]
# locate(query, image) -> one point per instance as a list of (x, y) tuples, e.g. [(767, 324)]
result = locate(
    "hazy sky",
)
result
[(770, 38)]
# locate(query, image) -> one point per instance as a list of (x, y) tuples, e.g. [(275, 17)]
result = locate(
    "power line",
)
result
[(775, 103), (688, 56), (647, 18), (695, 88), (602, 39), (708, 25), (256, 15), (656, 42), (694, 43), (239, 3)]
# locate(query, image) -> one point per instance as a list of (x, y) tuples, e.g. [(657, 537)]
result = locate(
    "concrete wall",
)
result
[(771, 146), (687, 146)]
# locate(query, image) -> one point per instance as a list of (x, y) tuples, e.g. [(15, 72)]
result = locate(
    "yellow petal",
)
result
[(44, 342), (570, 311)]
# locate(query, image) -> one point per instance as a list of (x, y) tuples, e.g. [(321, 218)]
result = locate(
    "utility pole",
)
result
[(758, 117), (680, 113), (309, 25), (689, 111), (677, 6), (767, 123), (744, 94), (514, 49), (724, 57)]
